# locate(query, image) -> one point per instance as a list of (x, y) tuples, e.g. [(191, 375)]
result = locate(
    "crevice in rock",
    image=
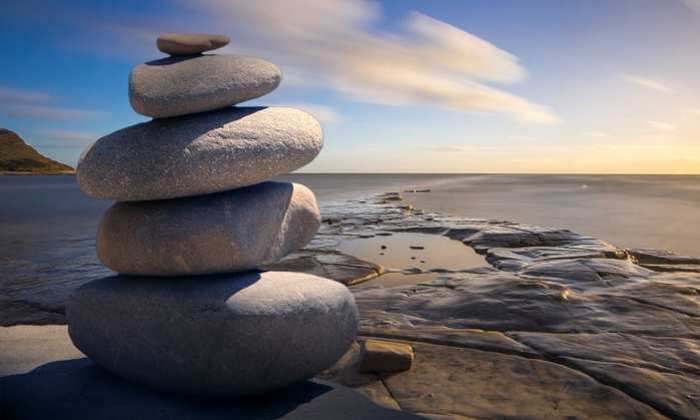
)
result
[(660, 306), (390, 393), (450, 343), (609, 382)]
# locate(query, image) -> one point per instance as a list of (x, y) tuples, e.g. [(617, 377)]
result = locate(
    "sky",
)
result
[(471, 86)]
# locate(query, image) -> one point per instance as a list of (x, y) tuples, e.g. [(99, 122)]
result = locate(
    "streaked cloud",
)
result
[(426, 61), (68, 135), (517, 137), (22, 103), (597, 134), (662, 126), (693, 5), (48, 112), (323, 113), (8, 94), (448, 148), (336, 44), (647, 83)]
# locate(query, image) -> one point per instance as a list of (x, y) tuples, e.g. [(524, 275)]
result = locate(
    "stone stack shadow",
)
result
[(195, 216)]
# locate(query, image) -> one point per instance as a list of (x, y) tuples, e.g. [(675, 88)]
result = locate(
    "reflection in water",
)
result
[(404, 251)]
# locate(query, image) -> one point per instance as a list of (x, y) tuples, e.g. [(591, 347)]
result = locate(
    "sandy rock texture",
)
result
[(557, 324), (232, 231), (188, 43), (176, 86), (198, 154), (178, 336)]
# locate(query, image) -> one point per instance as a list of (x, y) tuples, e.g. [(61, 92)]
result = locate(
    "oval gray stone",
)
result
[(176, 86), (232, 231), (200, 154), (188, 43), (223, 336)]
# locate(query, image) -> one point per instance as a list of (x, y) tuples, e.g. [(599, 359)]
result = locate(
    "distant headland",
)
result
[(19, 158)]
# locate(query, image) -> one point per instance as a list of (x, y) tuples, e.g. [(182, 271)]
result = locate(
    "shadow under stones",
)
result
[(219, 287), (79, 389), (172, 60)]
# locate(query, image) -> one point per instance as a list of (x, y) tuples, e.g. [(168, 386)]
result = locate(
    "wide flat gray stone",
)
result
[(232, 231), (188, 43), (198, 154), (214, 337), (176, 86)]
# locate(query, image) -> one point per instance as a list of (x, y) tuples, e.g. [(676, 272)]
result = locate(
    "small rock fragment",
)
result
[(385, 356)]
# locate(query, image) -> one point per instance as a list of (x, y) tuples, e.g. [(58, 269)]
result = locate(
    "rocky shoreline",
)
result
[(556, 324)]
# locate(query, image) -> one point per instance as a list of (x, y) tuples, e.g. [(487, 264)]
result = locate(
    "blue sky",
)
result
[(592, 86)]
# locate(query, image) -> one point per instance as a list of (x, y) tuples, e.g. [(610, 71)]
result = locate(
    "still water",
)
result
[(47, 226)]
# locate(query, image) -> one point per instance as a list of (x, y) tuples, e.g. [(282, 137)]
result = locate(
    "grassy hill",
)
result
[(17, 156)]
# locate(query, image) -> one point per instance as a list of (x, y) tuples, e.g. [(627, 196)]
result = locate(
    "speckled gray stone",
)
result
[(189, 43), (199, 154), (217, 233), (186, 85), (223, 336)]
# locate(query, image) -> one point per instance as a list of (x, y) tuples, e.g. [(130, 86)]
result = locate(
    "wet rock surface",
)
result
[(558, 324)]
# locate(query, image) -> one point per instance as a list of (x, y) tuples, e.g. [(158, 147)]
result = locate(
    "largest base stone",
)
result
[(230, 336)]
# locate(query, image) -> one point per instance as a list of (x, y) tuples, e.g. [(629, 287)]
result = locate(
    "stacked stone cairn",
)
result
[(195, 218)]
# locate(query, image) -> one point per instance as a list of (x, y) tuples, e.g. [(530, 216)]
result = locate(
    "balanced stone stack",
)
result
[(195, 217)]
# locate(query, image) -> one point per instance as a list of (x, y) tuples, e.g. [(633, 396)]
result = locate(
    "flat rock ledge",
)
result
[(556, 324)]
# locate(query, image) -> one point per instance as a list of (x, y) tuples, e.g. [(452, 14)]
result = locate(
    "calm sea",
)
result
[(47, 226)]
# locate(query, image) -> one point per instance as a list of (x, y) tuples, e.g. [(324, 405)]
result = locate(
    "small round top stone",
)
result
[(185, 43)]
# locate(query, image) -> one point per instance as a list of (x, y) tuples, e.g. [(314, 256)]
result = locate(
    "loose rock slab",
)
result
[(385, 356), (188, 43), (199, 154), (227, 336), (232, 231), (186, 85)]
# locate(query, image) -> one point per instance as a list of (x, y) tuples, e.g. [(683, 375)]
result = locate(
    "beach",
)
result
[(538, 316)]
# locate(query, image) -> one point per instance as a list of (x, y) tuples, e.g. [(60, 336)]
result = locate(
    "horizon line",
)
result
[(498, 173)]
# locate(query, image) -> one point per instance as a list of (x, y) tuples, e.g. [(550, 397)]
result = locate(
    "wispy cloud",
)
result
[(662, 126), (693, 5), (48, 112), (426, 62), (519, 138), (323, 113), (335, 44), (8, 94), (22, 103), (647, 83), (68, 135), (597, 134), (448, 148)]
